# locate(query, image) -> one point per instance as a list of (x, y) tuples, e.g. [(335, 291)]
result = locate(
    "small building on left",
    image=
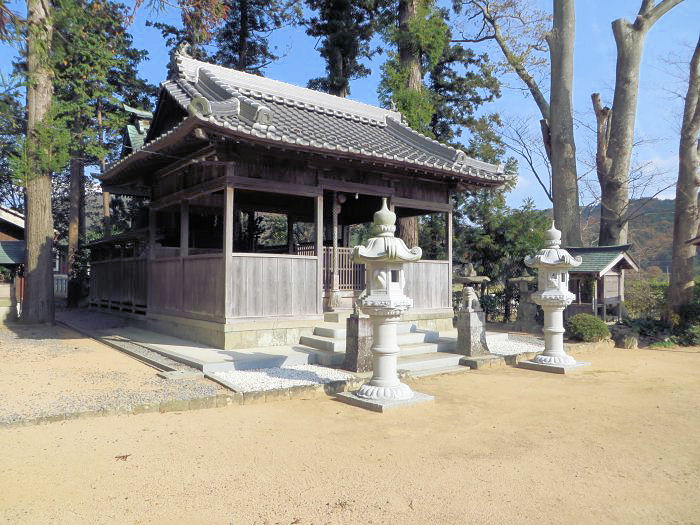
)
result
[(12, 254)]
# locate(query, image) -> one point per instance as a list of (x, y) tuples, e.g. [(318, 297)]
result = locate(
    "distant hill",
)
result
[(650, 231)]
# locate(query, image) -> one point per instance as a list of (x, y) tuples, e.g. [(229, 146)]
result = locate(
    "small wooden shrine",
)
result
[(599, 283)]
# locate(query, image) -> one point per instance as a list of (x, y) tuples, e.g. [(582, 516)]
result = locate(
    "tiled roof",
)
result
[(597, 258), (11, 252), (291, 115)]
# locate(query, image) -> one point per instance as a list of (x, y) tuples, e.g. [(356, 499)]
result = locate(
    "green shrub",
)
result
[(645, 298), (588, 328), (688, 335)]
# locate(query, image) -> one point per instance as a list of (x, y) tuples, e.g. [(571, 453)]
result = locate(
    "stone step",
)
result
[(418, 348), (438, 371), (430, 361), (320, 342), (337, 344), (332, 330)]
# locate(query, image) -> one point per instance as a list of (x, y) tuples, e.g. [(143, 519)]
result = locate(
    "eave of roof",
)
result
[(241, 112), (13, 217)]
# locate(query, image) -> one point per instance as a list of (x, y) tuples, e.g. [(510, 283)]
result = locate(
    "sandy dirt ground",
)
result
[(49, 370), (619, 443)]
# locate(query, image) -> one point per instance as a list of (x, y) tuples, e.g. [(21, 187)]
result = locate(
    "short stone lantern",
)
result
[(384, 301), (553, 295)]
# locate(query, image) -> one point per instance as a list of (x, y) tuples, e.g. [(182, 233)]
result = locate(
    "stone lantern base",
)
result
[(382, 405), (554, 368)]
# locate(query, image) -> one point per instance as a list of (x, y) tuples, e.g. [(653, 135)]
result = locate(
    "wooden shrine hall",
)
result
[(256, 191)]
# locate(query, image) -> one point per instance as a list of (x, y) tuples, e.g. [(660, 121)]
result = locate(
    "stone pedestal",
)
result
[(471, 329), (358, 344)]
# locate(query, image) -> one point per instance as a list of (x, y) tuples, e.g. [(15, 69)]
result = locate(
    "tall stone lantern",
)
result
[(553, 295), (383, 299)]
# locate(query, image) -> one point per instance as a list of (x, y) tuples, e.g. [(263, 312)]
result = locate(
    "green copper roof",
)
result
[(598, 258), (135, 138), (11, 252), (140, 113)]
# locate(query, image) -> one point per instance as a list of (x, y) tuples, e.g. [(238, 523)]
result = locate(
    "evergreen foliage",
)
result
[(587, 328), (243, 40), (345, 29)]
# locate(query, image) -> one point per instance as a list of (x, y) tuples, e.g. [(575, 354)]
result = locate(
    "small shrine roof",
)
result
[(601, 259), (270, 111), (12, 252)]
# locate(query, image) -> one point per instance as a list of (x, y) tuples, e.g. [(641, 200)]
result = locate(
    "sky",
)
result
[(670, 41)]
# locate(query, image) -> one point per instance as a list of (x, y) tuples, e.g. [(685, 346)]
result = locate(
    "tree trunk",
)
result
[(409, 58), (38, 299), (687, 216), (243, 36), (614, 191), (75, 200), (408, 230), (409, 53), (567, 214)]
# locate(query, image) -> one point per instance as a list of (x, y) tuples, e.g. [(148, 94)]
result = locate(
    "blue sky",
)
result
[(658, 115)]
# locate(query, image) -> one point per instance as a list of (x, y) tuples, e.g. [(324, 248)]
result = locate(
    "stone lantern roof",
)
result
[(385, 247), (552, 256)]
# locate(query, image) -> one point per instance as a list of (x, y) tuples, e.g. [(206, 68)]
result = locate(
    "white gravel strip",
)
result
[(516, 344), (261, 379)]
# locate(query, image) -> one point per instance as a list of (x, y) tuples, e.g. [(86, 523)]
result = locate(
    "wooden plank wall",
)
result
[(119, 284), (272, 285), (188, 285), (428, 283)]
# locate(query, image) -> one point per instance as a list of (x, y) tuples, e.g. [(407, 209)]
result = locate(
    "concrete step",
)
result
[(332, 330), (418, 348), (320, 342), (430, 361), (438, 371)]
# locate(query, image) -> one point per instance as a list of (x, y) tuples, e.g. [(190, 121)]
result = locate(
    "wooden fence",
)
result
[(351, 276), (119, 284)]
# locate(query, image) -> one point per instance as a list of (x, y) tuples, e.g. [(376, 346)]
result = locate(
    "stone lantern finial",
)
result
[(552, 237)]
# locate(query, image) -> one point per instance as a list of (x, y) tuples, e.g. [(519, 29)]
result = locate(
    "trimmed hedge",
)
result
[(587, 328)]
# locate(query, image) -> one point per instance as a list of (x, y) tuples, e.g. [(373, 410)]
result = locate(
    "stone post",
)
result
[(471, 331), (553, 295), (384, 301), (358, 344)]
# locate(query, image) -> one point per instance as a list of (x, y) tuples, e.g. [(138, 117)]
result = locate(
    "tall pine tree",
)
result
[(95, 71), (243, 40), (344, 29)]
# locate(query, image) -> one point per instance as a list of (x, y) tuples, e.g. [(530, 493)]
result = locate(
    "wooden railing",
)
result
[(351, 276)]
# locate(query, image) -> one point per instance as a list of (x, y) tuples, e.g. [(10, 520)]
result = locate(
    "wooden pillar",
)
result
[(290, 233), (184, 228), (448, 233), (152, 229), (333, 297), (228, 243), (251, 230), (318, 208), (106, 214), (594, 299), (619, 295)]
